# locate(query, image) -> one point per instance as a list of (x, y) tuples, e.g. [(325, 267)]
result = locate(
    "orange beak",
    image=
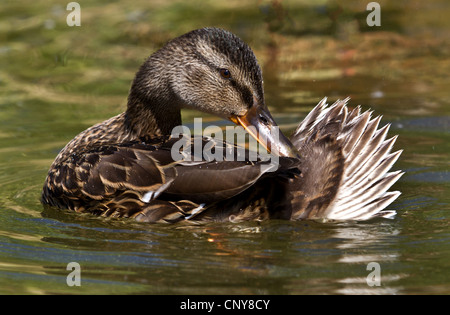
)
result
[(260, 125)]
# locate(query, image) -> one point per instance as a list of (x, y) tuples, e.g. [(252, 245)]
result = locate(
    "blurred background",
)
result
[(57, 80)]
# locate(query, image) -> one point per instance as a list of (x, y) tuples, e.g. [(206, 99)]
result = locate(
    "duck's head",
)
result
[(210, 70)]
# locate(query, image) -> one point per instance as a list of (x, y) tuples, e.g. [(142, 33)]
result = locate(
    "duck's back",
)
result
[(143, 179)]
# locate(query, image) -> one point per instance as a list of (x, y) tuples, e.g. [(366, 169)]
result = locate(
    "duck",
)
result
[(335, 166)]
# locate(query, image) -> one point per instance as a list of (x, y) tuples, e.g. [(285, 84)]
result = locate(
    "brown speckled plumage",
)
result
[(123, 167)]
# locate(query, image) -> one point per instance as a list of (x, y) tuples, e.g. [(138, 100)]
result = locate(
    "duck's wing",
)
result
[(147, 182), (345, 165), (107, 179)]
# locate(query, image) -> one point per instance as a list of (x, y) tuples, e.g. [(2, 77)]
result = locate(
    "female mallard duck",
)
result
[(335, 165)]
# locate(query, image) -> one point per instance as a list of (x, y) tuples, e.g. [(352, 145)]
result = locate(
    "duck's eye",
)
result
[(225, 73)]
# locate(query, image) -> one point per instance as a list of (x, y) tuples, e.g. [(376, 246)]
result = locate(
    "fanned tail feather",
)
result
[(359, 154)]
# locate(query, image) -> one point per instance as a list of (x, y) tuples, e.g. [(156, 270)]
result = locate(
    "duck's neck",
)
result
[(150, 117), (152, 110)]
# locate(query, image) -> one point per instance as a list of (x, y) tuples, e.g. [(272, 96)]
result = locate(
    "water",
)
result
[(56, 81)]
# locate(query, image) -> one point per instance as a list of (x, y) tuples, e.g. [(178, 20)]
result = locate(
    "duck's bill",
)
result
[(260, 125)]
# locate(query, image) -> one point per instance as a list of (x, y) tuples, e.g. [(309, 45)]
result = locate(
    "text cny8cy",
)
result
[(228, 305)]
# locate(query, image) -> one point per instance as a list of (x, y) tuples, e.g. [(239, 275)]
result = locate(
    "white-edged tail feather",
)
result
[(364, 178)]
